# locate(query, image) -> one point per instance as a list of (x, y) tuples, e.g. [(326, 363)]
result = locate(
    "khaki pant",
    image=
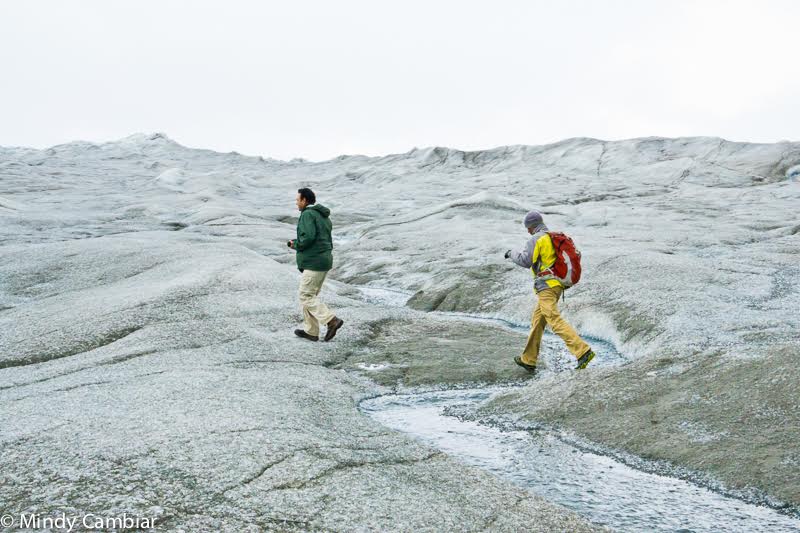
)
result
[(546, 312), (314, 311)]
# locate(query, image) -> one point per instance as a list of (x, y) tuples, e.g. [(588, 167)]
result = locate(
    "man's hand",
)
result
[(508, 254), (290, 244)]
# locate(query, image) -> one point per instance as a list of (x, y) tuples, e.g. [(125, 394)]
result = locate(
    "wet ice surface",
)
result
[(596, 486), (385, 296), (553, 353)]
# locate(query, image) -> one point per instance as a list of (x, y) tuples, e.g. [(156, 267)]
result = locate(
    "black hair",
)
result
[(308, 195)]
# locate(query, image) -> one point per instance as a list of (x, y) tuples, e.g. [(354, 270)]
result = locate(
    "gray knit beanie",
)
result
[(533, 219)]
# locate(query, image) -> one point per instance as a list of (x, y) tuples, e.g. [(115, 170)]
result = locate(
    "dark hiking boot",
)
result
[(302, 334), (584, 360), (333, 326), (526, 366)]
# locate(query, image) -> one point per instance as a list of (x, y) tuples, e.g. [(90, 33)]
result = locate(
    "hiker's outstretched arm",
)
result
[(524, 256)]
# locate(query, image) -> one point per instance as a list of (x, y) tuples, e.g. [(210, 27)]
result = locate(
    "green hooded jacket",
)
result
[(314, 244)]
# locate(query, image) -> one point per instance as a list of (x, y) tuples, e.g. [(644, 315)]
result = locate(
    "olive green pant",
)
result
[(547, 312)]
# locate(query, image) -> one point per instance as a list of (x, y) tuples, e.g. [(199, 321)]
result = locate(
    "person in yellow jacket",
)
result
[(539, 255)]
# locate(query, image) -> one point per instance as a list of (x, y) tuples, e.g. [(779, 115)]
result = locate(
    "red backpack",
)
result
[(567, 268)]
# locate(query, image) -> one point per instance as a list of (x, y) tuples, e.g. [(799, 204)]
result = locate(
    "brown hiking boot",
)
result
[(333, 326), (526, 366), (302, 334)]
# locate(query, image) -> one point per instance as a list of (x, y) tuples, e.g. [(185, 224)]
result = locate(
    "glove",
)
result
[(289, 244), (508, 254)]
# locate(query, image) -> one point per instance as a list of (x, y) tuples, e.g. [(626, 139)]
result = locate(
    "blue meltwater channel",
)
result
[(596, 486)]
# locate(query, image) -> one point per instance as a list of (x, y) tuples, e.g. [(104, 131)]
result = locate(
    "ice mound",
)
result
[(441, 157), (9, 205), (144, 138), (172, 176)]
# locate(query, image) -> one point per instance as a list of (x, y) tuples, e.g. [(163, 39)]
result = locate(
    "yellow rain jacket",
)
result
[(538, 255), (543, 257)]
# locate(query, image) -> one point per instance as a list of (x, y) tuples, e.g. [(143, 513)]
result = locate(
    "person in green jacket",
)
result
[(314, 248)]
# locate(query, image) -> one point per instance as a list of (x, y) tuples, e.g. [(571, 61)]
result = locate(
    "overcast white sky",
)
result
[(319, 79)]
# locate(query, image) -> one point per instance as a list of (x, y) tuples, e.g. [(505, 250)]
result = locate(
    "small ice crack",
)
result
[(600, 160), (283, 361), (127, 357), (260, 472), (91, 383), (346, 465)]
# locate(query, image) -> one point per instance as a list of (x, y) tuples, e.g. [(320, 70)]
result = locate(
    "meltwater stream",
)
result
[(602, 489), (555, 356), (598, 487)]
